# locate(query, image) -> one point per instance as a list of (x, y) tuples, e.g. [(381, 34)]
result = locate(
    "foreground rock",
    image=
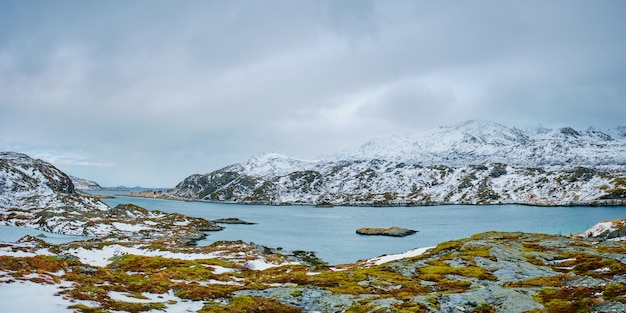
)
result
[(391, 231), (487, 272)]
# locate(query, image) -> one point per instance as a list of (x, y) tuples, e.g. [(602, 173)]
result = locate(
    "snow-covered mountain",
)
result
[(31, 189), (34, 193), (479, 142), (472, 162), (84, 184)]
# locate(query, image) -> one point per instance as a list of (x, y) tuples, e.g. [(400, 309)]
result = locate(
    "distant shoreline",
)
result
[(152, 194)]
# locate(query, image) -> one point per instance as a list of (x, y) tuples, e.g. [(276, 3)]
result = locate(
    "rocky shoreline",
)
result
[(487, 272), (543, 203)]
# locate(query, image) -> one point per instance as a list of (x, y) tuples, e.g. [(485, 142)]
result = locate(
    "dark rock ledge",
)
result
[(232, 220)]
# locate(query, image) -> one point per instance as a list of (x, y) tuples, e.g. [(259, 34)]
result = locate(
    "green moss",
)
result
[(361, 308), (568, 299), (86, 309), (543, 281), (440, 270), (446, 246), (533, 259), (484, 308), (248, 304), (614, 292), (592, 265), (134, 306), (373, 280)]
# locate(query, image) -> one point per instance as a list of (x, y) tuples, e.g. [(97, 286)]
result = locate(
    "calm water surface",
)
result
[(330, 232), (12, 234)]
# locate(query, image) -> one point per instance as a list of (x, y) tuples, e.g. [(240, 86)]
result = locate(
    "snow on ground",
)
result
[(599, 229), (221, 270), (174, 303), (26, 296), (102, 257), (260, 264), (129, 227), (393, 257), (9, 251)]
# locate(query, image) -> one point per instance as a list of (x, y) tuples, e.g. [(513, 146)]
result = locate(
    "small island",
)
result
[(393, 231), (232, 220)]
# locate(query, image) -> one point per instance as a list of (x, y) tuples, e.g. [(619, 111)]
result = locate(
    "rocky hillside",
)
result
[(84, 184), (34, 193), (470, 163)]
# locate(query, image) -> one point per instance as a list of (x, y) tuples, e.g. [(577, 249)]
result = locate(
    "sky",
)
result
[(146, 93)]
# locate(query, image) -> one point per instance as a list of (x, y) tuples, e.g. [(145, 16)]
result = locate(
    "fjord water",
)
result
[(330, 232)]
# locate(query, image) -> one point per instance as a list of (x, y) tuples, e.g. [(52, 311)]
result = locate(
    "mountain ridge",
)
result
[(475, 162)]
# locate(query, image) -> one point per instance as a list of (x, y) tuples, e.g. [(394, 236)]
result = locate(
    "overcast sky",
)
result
[(149, 92)]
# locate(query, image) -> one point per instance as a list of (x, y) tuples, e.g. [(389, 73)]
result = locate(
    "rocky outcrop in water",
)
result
[(391, 231), (232, 220)]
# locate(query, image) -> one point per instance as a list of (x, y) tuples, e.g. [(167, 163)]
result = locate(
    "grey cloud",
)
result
[(202, 84)]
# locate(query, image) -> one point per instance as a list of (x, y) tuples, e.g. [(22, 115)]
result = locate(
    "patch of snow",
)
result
[(260, 264), (561, 261), (129, 227), (602, 270), (174, 304), (598, 229), (102, 257), (221, 270), (26, 296), (8, 251), (393, 257)]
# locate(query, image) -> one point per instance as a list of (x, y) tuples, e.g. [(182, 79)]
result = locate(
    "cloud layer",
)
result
[(148, 92)]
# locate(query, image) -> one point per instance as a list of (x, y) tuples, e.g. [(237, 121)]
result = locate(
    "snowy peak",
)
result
[(432, 146), (471, 162), (478, 142), (273, 164), (473, 135)]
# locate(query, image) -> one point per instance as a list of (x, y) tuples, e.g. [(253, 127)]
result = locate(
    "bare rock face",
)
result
[(391, 231)]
